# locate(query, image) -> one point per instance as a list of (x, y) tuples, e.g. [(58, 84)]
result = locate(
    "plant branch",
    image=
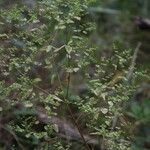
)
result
[(68, 107), (133, 62), (128, 78)]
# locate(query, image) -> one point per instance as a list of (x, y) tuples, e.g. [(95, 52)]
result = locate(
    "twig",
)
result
[(58, 49), (68, 107), (133, 62)]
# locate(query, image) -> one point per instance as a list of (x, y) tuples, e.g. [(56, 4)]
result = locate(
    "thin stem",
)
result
[(133, 62), (67, 105), (72, 116)]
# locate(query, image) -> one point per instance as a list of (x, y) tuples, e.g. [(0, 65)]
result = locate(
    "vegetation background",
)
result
[(74, 74)]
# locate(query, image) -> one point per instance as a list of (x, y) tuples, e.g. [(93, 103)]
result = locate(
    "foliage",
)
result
[(51, 67)]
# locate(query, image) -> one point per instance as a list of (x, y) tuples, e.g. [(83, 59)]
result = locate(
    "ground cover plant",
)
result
[(69, 79)]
